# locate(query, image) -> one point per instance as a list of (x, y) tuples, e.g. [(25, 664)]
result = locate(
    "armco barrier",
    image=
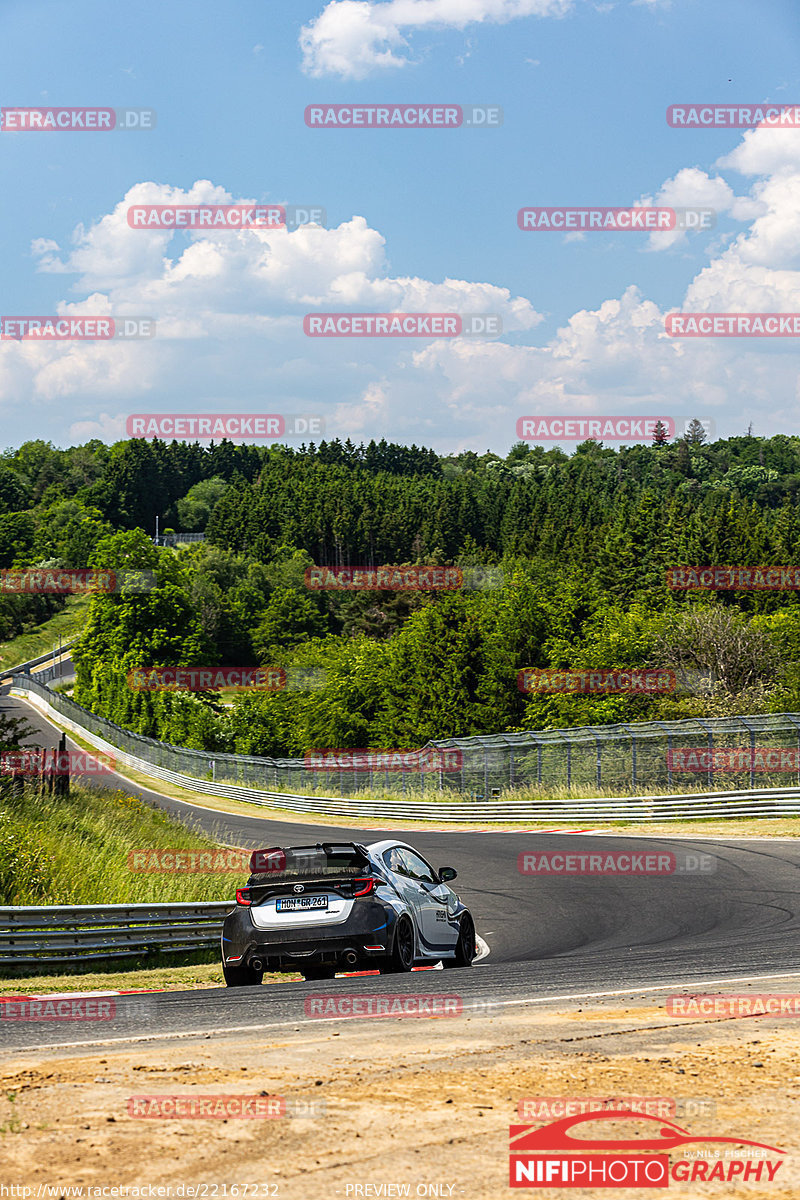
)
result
[(50, 656), (35, 936), (763, 802)]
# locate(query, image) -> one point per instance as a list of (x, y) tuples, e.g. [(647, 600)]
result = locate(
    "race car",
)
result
[(342, 906)]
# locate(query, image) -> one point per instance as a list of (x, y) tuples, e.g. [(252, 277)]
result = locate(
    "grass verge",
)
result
[(183, 973), (75, 850)]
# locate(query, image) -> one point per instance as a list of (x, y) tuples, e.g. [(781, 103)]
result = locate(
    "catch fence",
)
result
[(611, 759)]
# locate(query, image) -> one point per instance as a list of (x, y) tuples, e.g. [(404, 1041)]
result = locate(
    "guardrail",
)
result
[(616, 759), (49, 934), (765, 802), (50, 656)]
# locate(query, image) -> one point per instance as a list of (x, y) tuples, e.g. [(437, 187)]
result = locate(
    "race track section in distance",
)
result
[(548, 935)]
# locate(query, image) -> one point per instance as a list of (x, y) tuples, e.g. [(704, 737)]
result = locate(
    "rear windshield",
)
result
[(310, 862)]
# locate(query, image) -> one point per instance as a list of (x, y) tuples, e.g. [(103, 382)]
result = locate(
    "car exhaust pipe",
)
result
[(256, 964), (349, 958)]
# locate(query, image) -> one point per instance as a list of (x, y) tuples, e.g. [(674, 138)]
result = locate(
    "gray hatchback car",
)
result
[(336, 906)]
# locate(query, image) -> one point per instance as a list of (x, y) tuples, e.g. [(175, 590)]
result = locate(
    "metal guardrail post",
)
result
[(710, 736)]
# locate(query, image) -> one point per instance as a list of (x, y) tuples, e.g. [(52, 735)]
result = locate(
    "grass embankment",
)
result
[(75, 850), (39, 640)]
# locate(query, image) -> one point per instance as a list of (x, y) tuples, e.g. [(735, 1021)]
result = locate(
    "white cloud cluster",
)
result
[(228, 307), (352, 38), (618, 358)]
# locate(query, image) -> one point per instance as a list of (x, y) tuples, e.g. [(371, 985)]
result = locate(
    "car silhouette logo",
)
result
[(298, 887), (557, 1136)]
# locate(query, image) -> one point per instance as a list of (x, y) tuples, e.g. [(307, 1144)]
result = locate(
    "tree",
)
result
[(695, 433), (731, 651), (660, 434), (290, 618), (69, 532), (17, 533), (14, 494), (196, 507)]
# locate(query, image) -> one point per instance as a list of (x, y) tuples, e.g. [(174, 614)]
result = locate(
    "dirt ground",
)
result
[(392, 1107)]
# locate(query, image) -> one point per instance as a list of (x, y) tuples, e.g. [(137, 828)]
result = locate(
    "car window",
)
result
[(416, 867), (393, 860)]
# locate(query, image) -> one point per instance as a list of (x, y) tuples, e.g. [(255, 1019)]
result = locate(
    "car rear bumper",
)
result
[(365, 932)]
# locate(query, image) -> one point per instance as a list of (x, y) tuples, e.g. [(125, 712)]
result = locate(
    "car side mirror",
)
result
[(447, 873)]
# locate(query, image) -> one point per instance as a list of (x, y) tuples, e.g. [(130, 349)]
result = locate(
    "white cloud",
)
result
[(106, 428), (229, 305), (618, 358), (693, 188), (351, 38)]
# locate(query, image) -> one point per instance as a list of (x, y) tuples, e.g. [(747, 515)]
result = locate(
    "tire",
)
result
[(402, 957), (318, 972), (240, 975), (465, 946)]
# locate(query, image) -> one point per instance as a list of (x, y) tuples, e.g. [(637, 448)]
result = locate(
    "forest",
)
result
[(563, 561)]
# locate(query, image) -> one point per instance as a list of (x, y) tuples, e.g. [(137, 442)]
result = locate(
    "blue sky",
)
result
[(418, 220)]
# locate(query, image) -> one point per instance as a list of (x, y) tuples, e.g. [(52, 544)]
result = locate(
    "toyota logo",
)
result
[(298, 887)]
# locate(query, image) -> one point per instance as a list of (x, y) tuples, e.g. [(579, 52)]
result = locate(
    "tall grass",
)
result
[(74, 850)]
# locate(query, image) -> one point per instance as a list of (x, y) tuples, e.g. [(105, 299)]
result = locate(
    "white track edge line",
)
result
[(206, 1033)]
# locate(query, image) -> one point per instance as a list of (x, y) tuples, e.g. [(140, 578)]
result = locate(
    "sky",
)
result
[(414, 220)]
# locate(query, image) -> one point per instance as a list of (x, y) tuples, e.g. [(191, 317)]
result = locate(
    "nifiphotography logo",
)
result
[(549, 1156)]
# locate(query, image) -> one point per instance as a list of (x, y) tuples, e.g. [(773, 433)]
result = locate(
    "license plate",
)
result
[(299, 903)]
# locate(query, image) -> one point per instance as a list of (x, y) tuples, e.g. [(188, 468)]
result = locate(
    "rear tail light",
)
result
[(363, 886), (243, 897)]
